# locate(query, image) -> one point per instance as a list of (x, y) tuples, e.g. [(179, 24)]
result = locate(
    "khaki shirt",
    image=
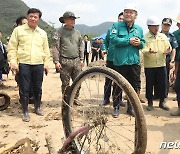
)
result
[(28, 46), (158, 43), (69, 45)]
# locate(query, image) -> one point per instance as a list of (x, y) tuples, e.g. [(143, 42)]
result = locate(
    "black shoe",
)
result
[(150, 105), (164, 106), (115, 113), (39, 112), (131, 112), (149, 108), (105, 102), (177, 113), (26, 117), (121, 103)]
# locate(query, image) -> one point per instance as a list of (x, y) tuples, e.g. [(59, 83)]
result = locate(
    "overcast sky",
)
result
[(94, 12)]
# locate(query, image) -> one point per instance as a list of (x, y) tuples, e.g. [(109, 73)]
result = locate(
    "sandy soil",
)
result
[(161, 126)]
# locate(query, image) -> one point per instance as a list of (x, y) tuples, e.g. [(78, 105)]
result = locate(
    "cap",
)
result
[(130, 6), (167, 21), (67, 14), (153, 21)]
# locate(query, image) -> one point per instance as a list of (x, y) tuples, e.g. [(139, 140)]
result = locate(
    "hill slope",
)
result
[(10, 10), (99, 29)]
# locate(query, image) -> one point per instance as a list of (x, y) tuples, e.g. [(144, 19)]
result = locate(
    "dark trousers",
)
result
[(27, 74), (31, 87), (108, 82), (100, 55), (168, 59), (0, 75), (132, 75), (94, 54), (86, 57), (156, 90), (177, 86), (159, 76)]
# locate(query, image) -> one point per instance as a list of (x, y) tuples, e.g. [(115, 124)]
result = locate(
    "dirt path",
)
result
[(161, 126)]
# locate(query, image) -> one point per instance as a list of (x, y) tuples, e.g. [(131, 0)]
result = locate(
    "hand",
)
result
[(46, 69), (58, 66), (135, 41), (167, 51), (132, 40), (173, 76), (171, 65), (152, 51), (14, 68), (82, 64)]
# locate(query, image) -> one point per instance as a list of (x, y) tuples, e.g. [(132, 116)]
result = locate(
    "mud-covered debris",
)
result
[(23, 146), (37, 126), (53, 116), (100, 63)]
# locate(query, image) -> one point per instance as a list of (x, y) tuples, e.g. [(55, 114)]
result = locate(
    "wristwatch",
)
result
[(172, 61)]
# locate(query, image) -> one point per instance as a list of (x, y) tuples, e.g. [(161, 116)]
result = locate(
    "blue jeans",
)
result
[(27, 74)]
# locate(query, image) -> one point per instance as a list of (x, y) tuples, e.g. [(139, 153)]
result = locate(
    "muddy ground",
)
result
[(161, 126)]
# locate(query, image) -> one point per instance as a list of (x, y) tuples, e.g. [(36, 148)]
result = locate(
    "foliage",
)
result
[(10, 10)]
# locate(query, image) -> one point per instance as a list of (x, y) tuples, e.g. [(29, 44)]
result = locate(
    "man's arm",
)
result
[(105, 45), (46, 51), (142, 40), (12, 50), (117, 41)]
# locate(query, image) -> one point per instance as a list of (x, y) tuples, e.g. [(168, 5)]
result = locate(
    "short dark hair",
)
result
[(86, 35), (34, 10), (120, 14), (19, 20)]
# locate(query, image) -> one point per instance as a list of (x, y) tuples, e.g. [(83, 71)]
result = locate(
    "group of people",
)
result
[(124, 42), (94, 48), (29, 55)]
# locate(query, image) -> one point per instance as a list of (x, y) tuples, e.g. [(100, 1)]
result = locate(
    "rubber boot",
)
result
[(140, 98), (116, 112), (177, 113), (150, 105), (24, 103), (130, 110), (162, 105), (107, 93), (37, 106), (121, 103)]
